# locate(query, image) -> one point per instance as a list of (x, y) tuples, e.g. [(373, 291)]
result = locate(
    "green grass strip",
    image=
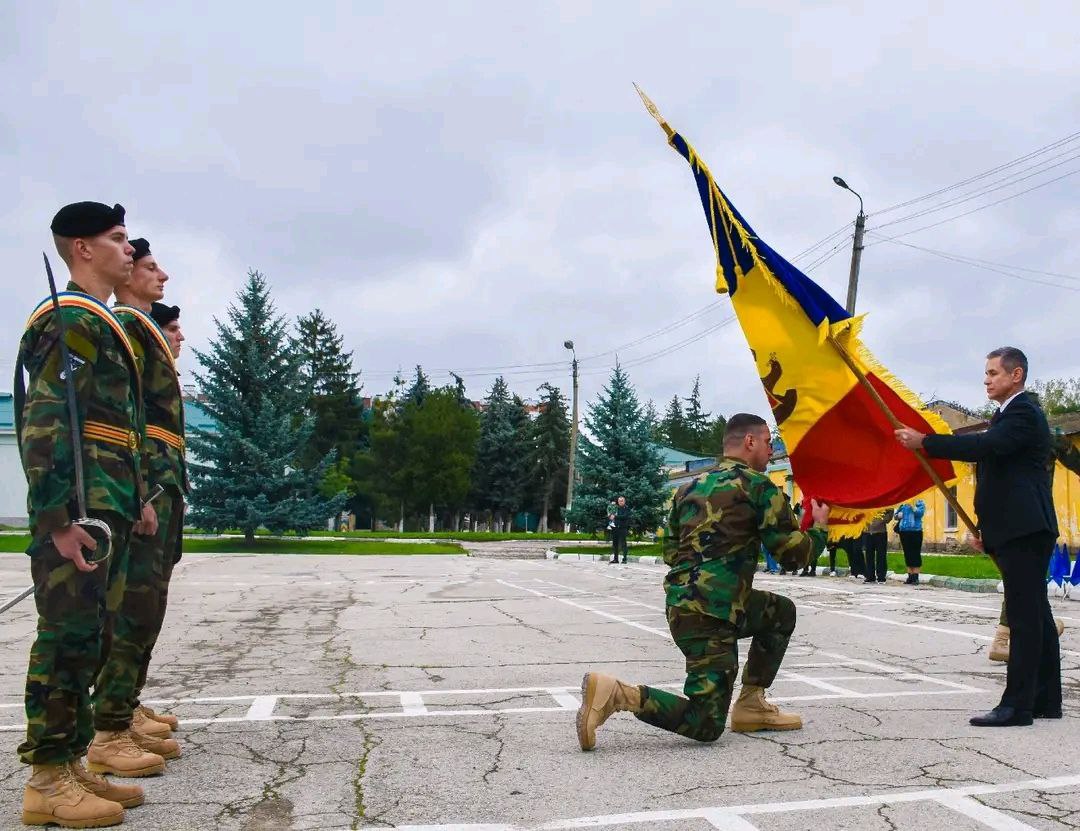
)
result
[(957, 565), (277, 546), (469, 536)]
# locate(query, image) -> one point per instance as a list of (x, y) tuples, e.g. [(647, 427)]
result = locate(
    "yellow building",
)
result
[(942, 530)]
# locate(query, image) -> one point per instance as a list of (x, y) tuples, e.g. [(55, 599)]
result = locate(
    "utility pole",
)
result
[(573, 442), (856, 250)]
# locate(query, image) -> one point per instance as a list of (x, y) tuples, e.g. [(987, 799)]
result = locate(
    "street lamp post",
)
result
[(856, 250), (573, 442)]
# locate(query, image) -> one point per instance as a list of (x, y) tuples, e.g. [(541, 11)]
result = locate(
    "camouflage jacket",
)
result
[(716, 528), (109, 413), (163, 449), (1063, 450)]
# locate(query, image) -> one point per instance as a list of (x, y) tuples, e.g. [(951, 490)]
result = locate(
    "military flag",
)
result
[(809, 356)]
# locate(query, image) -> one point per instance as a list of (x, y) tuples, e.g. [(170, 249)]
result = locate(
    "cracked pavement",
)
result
[(334, 692)]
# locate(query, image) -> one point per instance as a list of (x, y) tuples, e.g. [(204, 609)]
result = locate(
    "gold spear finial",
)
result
[(653, 111)]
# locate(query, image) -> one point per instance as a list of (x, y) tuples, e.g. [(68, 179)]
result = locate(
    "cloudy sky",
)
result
[(467, 185)]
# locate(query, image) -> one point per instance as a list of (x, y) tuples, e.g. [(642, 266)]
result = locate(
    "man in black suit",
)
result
[(1018, 526)]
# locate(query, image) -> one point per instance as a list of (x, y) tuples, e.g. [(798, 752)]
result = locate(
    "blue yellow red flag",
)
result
[(839, 440)]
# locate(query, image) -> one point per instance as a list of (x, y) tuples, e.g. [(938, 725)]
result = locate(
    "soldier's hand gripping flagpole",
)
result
[(96, 528)]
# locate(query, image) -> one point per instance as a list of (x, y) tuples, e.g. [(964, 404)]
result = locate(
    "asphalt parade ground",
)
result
[(439, 692)]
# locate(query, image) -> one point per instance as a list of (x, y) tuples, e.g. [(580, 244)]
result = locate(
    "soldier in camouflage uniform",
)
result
[(716, 528), (73, 597), (1061, 450), (133, 630)]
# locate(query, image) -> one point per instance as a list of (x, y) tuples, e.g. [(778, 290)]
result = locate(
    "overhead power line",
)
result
[(1062, 142), (993, 187), (989, 265), (984, 207)]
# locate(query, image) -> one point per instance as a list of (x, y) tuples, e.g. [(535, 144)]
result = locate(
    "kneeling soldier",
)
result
[(717, 526)]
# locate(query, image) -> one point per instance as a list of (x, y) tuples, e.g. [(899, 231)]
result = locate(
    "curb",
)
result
[(966, 584), (631, 558)]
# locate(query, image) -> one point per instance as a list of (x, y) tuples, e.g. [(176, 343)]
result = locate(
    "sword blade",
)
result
[(26, 593)]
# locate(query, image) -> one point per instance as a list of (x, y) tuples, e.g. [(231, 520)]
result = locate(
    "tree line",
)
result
[(294, 444)]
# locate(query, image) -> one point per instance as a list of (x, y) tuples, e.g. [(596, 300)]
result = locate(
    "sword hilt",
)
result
[(102, 534)]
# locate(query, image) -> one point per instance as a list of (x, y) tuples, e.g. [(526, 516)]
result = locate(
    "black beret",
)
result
[(86, 219), (141, 246), (164, 315)]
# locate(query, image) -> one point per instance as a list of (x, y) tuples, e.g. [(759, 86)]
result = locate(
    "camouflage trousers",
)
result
[(131, 632), (712, 660), (72, 608)]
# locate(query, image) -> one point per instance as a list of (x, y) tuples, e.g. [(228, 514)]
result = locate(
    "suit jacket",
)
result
[(1012, 488)]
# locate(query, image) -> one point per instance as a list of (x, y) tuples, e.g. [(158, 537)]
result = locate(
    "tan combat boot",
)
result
[(164, 718), (165, 748), (999, 647), (117, 753), (130, 796), (602, 695), (142, 723), (55, 795), (752, 712)]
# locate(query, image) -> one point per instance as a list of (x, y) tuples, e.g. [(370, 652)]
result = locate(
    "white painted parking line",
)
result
[(617, 618), (983, 814), (564, 699), (941, 630), (262, 708), (412, 704), (735, 817), (425, 703)]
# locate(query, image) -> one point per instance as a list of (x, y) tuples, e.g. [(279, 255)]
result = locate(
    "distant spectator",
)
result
[(877, 546), (854, 548), (831, 547), (909, 526), (620, 528), (806, 520)]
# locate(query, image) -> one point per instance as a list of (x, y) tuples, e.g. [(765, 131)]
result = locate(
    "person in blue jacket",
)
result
[(909, 524)]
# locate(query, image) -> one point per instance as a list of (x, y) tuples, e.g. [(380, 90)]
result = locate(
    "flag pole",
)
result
[(896, 423)]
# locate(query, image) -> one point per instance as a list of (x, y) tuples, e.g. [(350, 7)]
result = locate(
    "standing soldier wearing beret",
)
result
[(716, 529), (73, 597), (133, 631)]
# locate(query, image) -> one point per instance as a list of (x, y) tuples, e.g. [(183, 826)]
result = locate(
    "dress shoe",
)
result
[(1002, 717), (1046, 712)]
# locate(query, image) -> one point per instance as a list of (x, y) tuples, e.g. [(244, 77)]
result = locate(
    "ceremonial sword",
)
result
[(104, 532), (29, 590)]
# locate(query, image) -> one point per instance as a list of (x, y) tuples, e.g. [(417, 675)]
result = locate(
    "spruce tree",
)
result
[(419, 388), (652, 420), (333, 392), (500, 471), (714, 441), (672, 431), (551, 451), (697, 421), (616, 458), (250, 471)]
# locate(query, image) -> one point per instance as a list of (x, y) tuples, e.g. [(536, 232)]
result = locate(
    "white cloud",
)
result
[(468, 190)]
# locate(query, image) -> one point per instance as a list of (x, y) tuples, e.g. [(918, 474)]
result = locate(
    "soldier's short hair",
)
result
[(63, 248), (1011, 358), (740, 425)]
